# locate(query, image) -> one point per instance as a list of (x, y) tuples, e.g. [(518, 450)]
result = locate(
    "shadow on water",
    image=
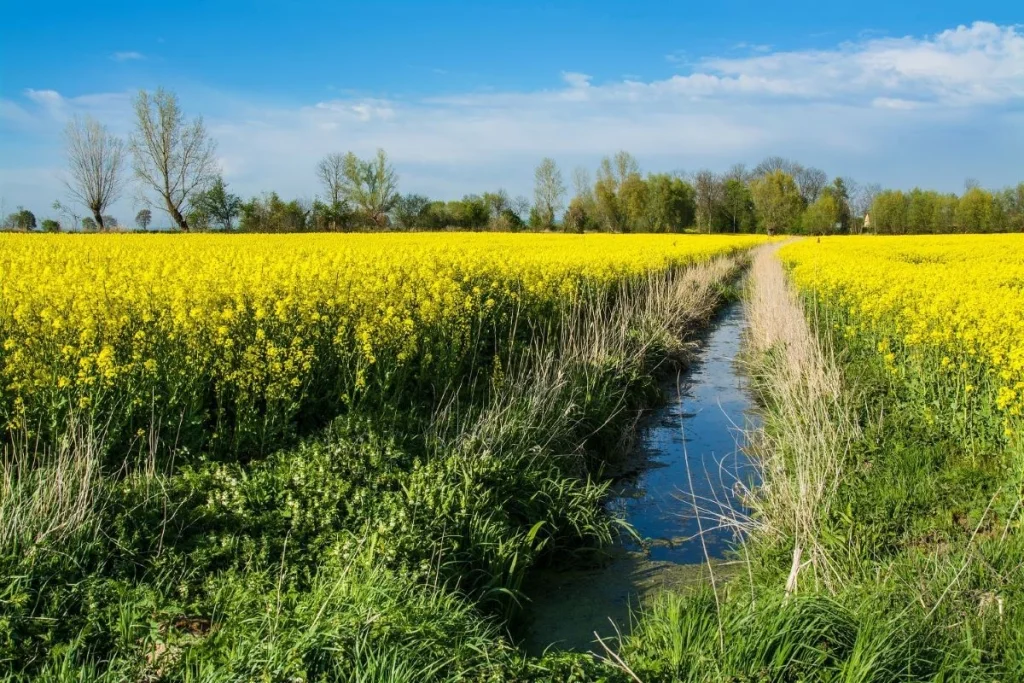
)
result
[(683, 478)]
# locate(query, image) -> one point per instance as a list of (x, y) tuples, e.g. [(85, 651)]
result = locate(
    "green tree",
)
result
[(777, 201), (1011, 201), (945, 213), (609, 210), (889, 213), (270, 213), (738, 206), (634, 200), (840, 191), (507, 220), (707, 187), (218, 205), (670, 205), (22, 219), (410, 211), (504, 211), (606, 198), (89, 224), (469, 213), (922, 206), (822, 215), (49, 225), (976, 210), (198, 219), (329, 217), (576, 218), (370, 186)]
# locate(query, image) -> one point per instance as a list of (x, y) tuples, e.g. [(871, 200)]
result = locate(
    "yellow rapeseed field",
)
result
[(248, 332), (946, 312)]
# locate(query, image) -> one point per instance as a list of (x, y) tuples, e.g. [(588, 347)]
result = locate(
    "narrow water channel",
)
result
[(687, 464)]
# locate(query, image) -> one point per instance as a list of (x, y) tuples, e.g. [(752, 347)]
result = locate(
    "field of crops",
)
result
[(232, 340), (342, 457), (944, 313)]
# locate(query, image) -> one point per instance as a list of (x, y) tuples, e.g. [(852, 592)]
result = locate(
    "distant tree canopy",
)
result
[(270, 213), (143, 218), (217, 206), (22, 219), (924, 211), (777, 196), (777, 201)]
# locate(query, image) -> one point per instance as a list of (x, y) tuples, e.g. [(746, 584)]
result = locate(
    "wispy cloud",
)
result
[(129, 56), (752, 47)]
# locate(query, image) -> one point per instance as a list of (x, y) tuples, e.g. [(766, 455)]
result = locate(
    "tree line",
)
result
[(173, 164)]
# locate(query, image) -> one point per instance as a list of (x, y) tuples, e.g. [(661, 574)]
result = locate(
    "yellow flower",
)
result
[(258, 319)]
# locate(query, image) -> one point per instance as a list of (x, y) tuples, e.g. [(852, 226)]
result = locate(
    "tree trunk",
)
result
[(178, 218), (98, 218)]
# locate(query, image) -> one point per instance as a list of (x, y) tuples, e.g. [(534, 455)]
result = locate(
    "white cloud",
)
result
[(52, 108), (970, 65), (895, 103), (360, 110), (576, 80), (130, 56), (927, 110)]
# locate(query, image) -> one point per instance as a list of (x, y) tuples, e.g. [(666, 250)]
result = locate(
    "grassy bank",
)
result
[(390, 545), (883, 543)]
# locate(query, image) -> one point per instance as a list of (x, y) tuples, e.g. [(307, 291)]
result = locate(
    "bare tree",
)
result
[(776, 163), (625, 165), (331, 173), (548, 191), (95, 166), (581, 184), (738, 172), (707, 187), (497, 202), (520, 206), (811, 182), (71, 218), (863, 199), (173, 157)]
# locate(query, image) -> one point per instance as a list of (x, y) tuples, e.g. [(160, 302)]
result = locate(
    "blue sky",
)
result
[(468, 97)]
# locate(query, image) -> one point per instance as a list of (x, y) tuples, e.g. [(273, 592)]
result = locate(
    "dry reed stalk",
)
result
[(541, 387), (48, 494), (810, 424)]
